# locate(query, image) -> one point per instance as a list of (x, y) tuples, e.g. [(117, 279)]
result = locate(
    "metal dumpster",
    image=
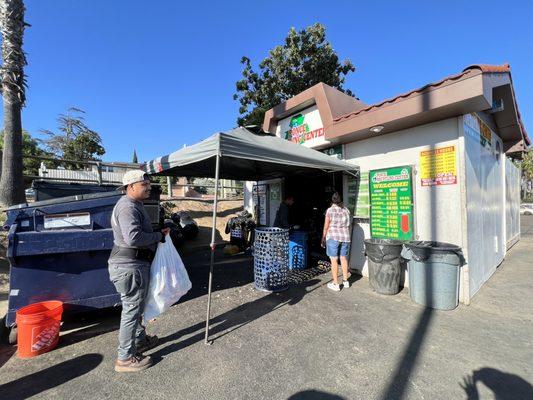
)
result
[(58, 250)]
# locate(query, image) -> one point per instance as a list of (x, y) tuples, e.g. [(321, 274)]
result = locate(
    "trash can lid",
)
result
[(427, 244), (422, 250), (386, 242)]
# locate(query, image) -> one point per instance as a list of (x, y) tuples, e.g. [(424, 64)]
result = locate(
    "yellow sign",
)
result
[(438, 166)]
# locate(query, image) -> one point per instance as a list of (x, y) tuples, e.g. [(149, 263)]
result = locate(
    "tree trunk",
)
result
[(11, 182), (13, 92)]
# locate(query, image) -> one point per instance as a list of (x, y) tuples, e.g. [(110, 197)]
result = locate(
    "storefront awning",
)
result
[(245, 155)]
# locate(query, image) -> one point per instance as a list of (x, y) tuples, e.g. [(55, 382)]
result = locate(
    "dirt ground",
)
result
[(202, 212)]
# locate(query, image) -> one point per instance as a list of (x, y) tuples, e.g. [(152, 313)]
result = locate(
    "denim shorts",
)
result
[(335, 248)]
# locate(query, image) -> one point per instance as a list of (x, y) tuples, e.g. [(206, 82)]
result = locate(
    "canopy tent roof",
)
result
[(242, 155), (245, 155)]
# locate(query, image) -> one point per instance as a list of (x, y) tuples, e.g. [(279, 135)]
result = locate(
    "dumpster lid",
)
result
[(67, 199)]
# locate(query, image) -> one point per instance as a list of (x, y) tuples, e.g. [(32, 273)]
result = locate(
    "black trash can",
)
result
[(384, 264)]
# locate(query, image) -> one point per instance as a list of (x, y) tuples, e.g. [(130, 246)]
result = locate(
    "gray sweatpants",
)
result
[(132, 284)]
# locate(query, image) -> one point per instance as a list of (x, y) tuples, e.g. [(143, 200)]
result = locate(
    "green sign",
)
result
[(391, 203), (275, 189), (358, 196), (335, 151)]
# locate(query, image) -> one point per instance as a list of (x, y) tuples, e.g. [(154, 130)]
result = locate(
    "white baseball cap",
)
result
[(134, 176)]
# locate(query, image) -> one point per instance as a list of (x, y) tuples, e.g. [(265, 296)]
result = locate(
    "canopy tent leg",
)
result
[(212, 262)]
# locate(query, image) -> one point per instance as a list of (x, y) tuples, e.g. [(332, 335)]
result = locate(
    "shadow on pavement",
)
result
[(398, 383), (6, 352), (48, 378), (314, 395), (228, 272), (80, 327), (234, 319), (505, 386)]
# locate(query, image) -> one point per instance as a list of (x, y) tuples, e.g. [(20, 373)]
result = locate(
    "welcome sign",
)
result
[(391, 203)]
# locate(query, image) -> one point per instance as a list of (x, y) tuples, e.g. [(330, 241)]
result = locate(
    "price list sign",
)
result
[(391, 203)]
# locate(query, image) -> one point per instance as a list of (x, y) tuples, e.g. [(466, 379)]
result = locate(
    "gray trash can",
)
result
[(384, 268), (271, 259), (434, 273)]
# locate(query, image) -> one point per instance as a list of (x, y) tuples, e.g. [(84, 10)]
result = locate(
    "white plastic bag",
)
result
[(168, 280)]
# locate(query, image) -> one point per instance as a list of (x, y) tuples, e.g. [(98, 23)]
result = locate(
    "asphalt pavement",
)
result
[(305, 343)]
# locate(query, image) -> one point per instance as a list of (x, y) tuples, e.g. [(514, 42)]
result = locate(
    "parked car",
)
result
[(526, 209)]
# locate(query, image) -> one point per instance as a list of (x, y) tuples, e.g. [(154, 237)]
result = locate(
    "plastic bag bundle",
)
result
[(437, 251), (169, 281), (380, 250)]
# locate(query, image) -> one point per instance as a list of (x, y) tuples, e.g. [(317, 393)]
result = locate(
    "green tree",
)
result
[(76, 141), (12, 85), (305, 59), (30, 147), (527, 172), (527, 165)]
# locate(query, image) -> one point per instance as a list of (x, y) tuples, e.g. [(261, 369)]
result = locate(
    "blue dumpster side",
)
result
[(61, 264)]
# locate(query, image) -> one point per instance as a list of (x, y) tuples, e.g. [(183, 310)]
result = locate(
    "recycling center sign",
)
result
[(391, 203)]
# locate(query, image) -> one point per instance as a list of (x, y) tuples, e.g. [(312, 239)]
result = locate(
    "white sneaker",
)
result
[(334, 286), (345, 284)]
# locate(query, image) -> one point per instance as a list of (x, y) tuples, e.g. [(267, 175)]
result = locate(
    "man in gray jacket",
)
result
[(129, 269)]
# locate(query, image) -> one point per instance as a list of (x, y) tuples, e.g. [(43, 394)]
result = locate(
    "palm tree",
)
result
[(13, 85)]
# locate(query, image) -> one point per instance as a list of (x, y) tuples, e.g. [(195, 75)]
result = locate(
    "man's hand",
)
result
[(165, 231)]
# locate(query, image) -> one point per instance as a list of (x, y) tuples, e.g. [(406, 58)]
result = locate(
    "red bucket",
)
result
[(38, 327)]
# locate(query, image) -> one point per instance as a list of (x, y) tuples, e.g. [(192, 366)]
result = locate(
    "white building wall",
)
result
[(470, 213), (485, 205), (437, 208)]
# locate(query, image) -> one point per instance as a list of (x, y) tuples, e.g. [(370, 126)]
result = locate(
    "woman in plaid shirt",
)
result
[(336, 240)]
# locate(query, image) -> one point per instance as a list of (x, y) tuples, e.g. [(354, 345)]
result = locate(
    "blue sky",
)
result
[(157, 75)]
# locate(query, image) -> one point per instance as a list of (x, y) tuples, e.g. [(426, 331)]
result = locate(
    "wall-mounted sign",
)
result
[(335, 151), (275, 192), (358, 196), (67, 221), (259, 197), (477, 129), (304, 127), (438, 166), (391, 203)]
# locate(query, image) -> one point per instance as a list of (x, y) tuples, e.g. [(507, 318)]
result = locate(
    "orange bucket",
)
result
[(38, 327)]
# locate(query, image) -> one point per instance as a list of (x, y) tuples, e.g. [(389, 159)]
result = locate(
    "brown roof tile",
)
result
[(474, 69), (412, 93), (490, 68)]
